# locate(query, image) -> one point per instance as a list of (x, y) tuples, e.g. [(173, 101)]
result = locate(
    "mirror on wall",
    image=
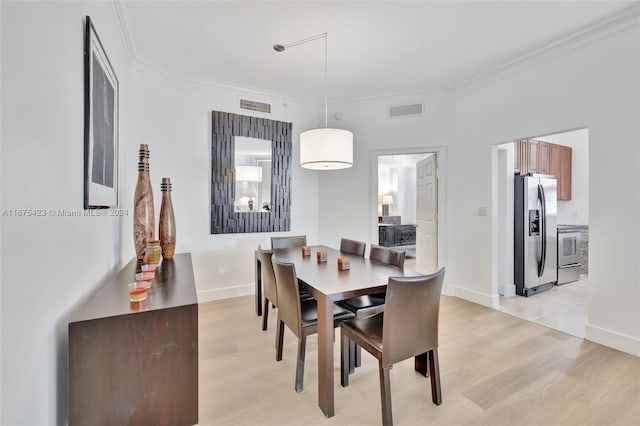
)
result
[(252, 160), (250, 174)]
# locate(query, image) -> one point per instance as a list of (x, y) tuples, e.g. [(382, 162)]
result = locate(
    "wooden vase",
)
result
[(167, 221), (143, 214)]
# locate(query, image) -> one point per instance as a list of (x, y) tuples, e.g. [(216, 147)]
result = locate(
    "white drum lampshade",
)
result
[(326, 149)]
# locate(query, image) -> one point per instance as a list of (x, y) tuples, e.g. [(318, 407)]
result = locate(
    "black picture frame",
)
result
[(224, 219), (101, 126)]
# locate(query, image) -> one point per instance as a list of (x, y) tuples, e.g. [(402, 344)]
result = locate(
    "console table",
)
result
[(396, 235), (136, 364)]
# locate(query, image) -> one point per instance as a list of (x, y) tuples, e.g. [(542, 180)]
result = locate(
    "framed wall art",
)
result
[(100, 124)]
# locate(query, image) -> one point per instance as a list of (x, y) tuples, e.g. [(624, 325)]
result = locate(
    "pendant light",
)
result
[(323, 148)]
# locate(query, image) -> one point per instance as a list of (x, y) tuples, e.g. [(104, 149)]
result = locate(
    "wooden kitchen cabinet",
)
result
[(543, 157), (533, 156), (521, 165), (564, 181)]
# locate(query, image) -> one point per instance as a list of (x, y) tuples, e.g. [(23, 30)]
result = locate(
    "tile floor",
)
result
[(562, 308)]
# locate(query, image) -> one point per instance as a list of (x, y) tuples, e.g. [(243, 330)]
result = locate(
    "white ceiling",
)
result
[(375, 48)]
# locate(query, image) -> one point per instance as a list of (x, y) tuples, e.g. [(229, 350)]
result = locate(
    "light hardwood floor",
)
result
[(496, 369)]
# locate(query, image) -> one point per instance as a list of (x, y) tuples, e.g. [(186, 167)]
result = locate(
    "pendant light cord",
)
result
[(326, 78), (281, 48)]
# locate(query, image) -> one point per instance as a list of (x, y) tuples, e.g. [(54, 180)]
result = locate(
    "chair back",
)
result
[(288, 242), (268, 276), (410, 325), (289, 309), (352, 247), (387, 255)]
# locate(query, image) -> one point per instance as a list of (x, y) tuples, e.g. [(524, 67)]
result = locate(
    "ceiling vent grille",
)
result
[(255, 106), (405, 110)]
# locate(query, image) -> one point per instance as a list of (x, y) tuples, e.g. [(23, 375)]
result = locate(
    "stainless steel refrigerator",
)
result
[(535, 237)]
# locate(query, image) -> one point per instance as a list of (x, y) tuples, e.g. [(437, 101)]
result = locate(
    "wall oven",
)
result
[(568, 255)]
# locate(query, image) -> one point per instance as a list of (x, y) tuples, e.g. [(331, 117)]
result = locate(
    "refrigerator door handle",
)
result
[(543, 229)]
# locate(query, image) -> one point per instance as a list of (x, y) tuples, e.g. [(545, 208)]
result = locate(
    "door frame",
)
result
[(441, 164)]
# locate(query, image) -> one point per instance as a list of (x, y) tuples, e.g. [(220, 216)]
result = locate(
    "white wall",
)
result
[(49, 264), (346, 196), (594, 86), (576, 210), (1, 205), (503, 205), (175, 120)]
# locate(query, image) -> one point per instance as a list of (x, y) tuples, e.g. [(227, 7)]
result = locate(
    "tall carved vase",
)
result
[(143, 214), (167, 221)]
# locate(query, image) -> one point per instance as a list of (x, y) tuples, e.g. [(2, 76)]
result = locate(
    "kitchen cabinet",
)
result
[(533, 156), (543, 158), (564, 181)]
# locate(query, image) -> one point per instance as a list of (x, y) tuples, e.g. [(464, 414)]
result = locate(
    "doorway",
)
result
[(562, 307), (408, 210)]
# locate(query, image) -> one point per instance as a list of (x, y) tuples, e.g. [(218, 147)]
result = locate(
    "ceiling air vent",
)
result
[(405, 110), (255, 106)]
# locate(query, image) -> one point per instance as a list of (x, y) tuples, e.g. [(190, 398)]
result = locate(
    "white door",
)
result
[(427, 215)]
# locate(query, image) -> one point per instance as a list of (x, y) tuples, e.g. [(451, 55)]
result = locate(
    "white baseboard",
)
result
[(613, 339), (507, 290), (483, 299), (225, 293)]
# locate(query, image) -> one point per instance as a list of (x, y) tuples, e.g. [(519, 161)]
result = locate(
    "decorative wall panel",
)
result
[(224, 220)]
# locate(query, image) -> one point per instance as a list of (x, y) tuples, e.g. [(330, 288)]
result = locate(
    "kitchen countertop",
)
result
[(567, 227)]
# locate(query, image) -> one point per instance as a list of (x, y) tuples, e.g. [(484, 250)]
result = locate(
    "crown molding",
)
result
[(173, 80), (120, 9), (142, 64), (421, 93), (585, 35)]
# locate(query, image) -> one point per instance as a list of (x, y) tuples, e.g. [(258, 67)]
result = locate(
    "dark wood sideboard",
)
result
[(135, 364)]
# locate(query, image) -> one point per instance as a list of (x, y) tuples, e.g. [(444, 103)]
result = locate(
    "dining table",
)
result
[(327, 284)]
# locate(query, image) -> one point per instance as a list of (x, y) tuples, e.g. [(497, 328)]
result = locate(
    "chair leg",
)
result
[(265, 314), (385, 395), (345, 363), (421, 364), (302, 343), (279, 339), (434, 366)]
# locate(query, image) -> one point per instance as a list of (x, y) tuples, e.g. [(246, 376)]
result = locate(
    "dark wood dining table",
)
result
[(327, 285)]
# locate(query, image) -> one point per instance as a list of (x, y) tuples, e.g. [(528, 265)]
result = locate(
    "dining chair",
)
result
[(348, 246), (288, 242), (372, 304), (269, 284), (387, 255), (300, 316), (407, 328)]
